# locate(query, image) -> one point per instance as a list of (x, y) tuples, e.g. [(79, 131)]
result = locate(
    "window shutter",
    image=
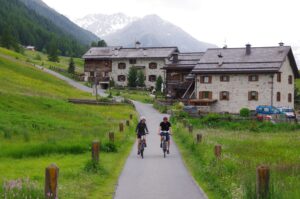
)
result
[(278, 77), (249, 78), (249, 95), (201, 79), (200, 95), (256, 96), (227, 95), (209, 79), (209, 95), (278, 96), (221, 96)]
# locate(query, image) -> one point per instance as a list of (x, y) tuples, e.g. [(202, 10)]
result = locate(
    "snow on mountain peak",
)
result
[(103, 25)]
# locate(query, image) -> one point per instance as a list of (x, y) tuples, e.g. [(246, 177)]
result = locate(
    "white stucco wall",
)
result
[(239, 86), (140, 62)]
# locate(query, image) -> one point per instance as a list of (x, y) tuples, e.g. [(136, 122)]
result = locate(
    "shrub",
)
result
[(109, 147), (245, 112)]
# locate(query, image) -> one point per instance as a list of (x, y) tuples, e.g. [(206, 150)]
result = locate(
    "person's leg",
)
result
[(168, 139), (138, 145)]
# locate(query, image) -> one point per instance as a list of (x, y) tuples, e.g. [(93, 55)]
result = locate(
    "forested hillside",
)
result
[(80, 34), (21, 25)]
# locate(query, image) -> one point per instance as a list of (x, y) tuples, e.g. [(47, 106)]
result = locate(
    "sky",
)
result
[(231, 22)]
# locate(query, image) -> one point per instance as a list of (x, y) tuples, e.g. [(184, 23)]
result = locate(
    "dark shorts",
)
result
[(167, 136), (139, 135)]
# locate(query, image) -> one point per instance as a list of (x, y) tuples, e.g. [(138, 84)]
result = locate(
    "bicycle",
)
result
[(164, 135), (142, 145)]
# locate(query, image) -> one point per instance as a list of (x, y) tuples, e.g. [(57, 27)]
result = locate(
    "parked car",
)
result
[(268, 112), (289, 112)]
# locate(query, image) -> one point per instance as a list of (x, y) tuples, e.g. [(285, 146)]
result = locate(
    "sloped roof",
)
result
[(235, 60), (185, 61), (120, 52)]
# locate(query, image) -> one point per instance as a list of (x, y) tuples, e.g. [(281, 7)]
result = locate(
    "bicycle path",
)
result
[(155, 177)]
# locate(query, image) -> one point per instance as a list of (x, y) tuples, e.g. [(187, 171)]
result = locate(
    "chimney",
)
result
[(248, 49), (175, 57), (281, 44), (137, 44)]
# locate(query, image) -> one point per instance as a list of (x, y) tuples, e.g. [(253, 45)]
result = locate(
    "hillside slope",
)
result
[(67, 26), (38, 127), (19, 24)]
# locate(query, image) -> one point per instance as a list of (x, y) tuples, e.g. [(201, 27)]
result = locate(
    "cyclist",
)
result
[(165, 125), (141, 130)]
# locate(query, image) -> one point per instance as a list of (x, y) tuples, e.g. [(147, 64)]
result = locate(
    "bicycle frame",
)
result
[(164, 141)]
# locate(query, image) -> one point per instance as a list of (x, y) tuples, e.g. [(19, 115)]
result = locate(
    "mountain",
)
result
[(83, 36), (150, 31), (103, 25)]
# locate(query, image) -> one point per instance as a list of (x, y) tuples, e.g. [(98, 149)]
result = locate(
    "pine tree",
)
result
[(102, 43), (53, 52), (71, 68), (132, 77), (158, 84), (140, 78)]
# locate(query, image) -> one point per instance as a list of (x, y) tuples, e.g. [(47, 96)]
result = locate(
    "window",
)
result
[(206, 79), (153, 65), (92, 74), (290, 79), (205, 95), (121, 78), (290, 97), (224, 78), (253, 78), (278, 96), (132, 61), (122, 66), (152, 78), (224, 95), (253, 96), (106, 64), (278, 77)]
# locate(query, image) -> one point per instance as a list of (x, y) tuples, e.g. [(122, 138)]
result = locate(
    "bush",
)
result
[(245, 112), (109, 147)]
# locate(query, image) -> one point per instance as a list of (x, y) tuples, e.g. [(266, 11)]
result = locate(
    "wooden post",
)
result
[(51, 179), (95, 150), (190, 129), (199, 138), (111, 136), (218, 151), (121, 127), (127, 123), (131, 116), (262, 182)]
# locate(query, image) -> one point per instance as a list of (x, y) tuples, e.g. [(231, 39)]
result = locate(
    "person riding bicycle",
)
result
[(141, 130), (165, 125)]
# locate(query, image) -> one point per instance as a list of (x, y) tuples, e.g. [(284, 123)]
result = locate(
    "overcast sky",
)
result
[(259, 22)]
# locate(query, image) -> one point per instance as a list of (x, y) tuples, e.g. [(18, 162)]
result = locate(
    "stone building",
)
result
[(228, 79), (113, 63)]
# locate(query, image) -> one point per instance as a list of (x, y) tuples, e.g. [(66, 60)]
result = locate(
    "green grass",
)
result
[(31, 57), (242, 151), (38, 127), (137, 95)]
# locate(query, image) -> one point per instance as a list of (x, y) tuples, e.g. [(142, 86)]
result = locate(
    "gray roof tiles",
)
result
[(120, 52)]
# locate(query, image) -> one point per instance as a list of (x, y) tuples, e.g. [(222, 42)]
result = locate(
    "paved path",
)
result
[(155, 177), (73, 83)]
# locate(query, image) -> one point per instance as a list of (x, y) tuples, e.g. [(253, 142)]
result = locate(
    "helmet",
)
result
[(142, 118), (165, 118)]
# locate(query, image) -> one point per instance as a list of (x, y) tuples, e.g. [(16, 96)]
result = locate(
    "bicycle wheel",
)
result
[(164, 148)]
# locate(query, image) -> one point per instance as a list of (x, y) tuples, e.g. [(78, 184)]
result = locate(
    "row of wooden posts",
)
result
[(52, 171), (262, 171)]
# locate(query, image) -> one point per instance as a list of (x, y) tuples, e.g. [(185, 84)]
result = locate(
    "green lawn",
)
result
[(38, 127), (243, 150)]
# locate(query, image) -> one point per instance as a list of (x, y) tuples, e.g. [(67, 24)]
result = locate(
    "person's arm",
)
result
[(137, 128), (159, 129), (146, 128)]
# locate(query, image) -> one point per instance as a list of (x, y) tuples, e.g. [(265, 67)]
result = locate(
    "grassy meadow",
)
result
[(244, 147), (39, 127), (137, 95)]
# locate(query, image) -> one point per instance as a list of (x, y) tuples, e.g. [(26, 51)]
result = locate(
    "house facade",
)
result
[(105, 64), (228, 79)]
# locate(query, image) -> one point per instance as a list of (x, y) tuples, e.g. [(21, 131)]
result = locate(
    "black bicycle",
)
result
[(142, 145), (164, 135)]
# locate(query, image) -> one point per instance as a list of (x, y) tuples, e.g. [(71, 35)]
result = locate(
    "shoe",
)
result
[(138, 153), (168, 152), (160, 145)]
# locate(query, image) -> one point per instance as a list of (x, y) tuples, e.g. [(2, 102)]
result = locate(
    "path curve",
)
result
[(155, 177)]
